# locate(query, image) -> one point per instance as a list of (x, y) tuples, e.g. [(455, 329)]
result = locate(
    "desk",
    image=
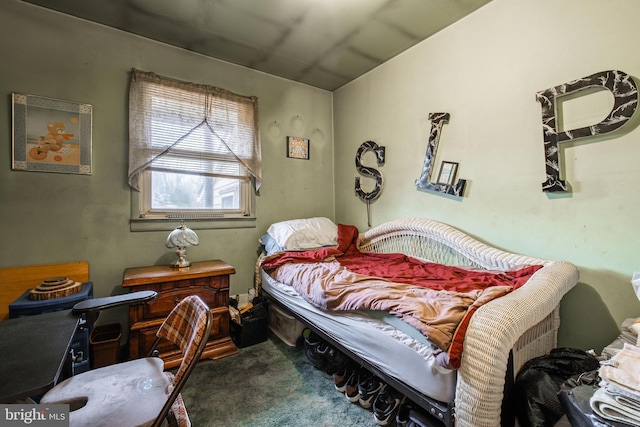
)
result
[(34, 350)]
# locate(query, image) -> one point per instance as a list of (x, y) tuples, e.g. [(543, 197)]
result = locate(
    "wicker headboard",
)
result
[(14, 281), (438, 242)]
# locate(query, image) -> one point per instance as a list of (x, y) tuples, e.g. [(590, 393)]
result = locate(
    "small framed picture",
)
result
[(298, 148), (51, 135), (447, 173)]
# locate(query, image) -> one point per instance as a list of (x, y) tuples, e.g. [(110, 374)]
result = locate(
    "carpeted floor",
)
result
[(268, 384)]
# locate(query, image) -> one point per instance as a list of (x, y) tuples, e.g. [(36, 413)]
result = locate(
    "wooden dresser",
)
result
[(207, 279)]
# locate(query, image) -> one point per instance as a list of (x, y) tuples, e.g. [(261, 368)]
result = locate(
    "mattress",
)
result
[(386, 342)]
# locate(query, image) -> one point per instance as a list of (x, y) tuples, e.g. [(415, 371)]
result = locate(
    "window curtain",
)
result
[(169, 120)]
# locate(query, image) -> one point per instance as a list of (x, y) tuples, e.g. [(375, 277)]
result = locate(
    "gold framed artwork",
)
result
[(298, 148), (447, 173), (51, 135)]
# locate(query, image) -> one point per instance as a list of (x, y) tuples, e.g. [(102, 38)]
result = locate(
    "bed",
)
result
[(499, 336)]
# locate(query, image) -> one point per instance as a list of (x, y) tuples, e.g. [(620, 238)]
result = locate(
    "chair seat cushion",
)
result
[(125, 394), (178, 408)]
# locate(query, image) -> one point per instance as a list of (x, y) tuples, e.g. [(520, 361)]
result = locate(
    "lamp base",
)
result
[(181, 262)]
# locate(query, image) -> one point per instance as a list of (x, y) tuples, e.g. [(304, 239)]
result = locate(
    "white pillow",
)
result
[(301, 234)]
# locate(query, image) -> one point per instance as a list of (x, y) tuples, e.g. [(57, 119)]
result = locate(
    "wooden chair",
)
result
[(139, 392)]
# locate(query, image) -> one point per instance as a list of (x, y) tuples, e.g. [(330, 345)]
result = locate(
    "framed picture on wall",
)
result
[(447, 173), (51, 135), (298, 148)]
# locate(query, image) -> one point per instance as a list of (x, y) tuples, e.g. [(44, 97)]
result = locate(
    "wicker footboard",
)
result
[(525, 320), (528, 312), (537, 340)]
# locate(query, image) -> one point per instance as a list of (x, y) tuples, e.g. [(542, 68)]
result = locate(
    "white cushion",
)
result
[(130, 393), (301, 234)]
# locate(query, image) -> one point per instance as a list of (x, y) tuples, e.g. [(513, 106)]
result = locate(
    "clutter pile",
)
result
[(248, 324), (628, 335), (618, 397), (610, 396)]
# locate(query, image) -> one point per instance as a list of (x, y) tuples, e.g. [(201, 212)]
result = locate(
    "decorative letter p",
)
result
[(625, 93)]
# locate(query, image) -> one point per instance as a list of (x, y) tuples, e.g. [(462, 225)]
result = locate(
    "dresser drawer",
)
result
[(169, 298), (146, 333)]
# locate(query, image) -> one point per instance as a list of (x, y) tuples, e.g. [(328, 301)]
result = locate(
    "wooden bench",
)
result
[(14, 281)]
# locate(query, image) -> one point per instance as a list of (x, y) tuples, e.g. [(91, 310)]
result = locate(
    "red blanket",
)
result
[(401, 268), (438, 300)]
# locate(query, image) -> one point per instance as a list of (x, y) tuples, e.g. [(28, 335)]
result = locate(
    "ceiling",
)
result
[(323, 43)]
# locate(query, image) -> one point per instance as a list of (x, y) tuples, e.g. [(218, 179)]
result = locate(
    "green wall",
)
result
[(485, 71), (51, 217)]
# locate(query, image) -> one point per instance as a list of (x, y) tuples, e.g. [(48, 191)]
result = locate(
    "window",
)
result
[(194, 151)]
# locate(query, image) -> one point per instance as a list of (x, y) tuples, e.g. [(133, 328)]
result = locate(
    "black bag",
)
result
[(539, 381)]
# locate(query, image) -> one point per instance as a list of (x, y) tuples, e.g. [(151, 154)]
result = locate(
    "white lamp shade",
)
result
[(181, 238)]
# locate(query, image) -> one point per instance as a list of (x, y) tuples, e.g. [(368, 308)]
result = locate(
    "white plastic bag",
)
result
[(635, 282), (635, 326)]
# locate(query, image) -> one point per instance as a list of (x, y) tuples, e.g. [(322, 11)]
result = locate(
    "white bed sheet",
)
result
[(381, 344)]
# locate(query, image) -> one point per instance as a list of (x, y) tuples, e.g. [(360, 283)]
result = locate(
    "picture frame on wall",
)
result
[(298, 148), (447, 174), (51, 135)]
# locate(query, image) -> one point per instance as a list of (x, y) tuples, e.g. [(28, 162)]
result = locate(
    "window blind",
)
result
[(187, 127)]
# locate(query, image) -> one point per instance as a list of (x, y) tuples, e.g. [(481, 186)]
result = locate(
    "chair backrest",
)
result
[(188, 326)]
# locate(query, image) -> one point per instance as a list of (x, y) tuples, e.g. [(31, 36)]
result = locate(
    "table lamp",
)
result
[(181, 238)]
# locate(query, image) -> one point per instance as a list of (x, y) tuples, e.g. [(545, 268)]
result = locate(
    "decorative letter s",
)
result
[(367, 171)]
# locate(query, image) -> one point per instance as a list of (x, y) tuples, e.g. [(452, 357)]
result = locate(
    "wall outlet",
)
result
[(242, 299)]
